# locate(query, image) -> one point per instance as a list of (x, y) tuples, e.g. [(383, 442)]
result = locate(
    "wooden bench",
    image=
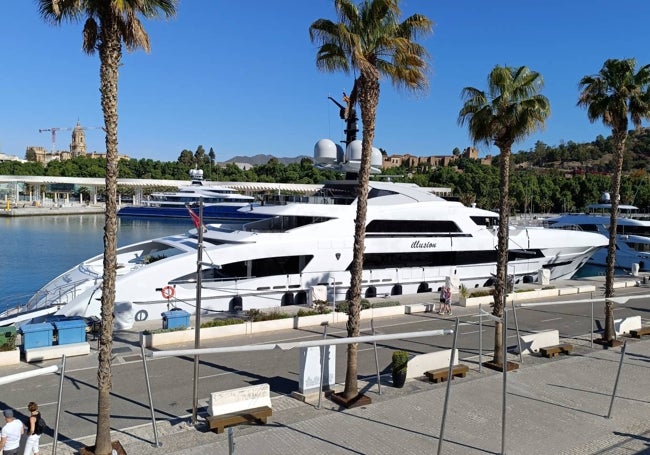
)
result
[(640, 332), (441, 374), (553, 351), (235, 406), (259, 415)]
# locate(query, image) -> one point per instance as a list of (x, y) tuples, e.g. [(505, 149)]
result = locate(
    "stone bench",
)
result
[(442, 374), (242, 405)]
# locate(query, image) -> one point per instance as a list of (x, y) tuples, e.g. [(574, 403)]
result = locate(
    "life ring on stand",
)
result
[(167, 292)]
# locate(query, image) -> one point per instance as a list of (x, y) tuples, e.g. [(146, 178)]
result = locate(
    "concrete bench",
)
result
[(420, 364), (442, 374), (532, 343), (235, 406), (638, 333), (626, 325), (553, 351)]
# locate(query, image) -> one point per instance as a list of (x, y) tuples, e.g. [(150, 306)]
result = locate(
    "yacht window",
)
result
[(436, 259), (255, 268), (487, 221), (590, 227), (411, 226), (638, 230), (283, 223), (374, 192)]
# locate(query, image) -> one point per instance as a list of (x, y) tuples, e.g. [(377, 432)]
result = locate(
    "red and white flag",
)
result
[(195, 217)]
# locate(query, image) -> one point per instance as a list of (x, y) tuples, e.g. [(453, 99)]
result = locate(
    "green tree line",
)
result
[(533, 188)]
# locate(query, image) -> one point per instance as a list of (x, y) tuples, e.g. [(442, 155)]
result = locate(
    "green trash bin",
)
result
[(7, 337)]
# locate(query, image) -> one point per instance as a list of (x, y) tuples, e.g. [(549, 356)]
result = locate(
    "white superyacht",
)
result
[(414, 242)]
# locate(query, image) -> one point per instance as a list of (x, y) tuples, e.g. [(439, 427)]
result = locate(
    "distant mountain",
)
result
[(263, 159)]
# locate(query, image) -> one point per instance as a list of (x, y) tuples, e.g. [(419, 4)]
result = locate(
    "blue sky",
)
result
[(240, 77)]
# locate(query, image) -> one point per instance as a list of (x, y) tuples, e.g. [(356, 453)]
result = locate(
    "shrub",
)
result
[(256, 315), (320, 307), (154, 331), (9, 342), (399, 361), (482, 293), (344, 307), (221, 322), (302, 312)]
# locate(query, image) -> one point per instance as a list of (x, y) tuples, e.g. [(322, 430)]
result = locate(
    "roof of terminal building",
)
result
[(143, 183)]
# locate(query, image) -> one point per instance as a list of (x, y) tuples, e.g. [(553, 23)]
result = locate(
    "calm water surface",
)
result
[(34, 250)]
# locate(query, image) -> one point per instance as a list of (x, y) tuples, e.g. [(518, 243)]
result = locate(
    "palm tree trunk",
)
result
[(502, 254), (368, 99), (619, 136), (110, 52)]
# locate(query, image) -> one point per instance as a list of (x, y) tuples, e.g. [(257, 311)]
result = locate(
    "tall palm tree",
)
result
[(510, 110), (108, 25), (612, 95), (369, 39)]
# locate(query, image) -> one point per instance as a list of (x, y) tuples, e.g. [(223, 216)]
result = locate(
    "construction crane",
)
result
[(53, 131)]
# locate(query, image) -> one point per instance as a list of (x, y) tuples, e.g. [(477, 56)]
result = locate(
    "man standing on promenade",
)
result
[(11, 434)]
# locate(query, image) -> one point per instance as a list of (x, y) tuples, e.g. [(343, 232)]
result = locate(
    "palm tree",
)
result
[(109, 24), (369, 39), (612, 95), (511, 109)]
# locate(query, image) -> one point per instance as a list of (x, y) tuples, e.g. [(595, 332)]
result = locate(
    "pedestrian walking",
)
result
[(441, 304), (35, 427), (11, 433), (447, 306)]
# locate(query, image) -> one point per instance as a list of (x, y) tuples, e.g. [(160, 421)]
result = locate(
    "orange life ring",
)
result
[(167, 292)]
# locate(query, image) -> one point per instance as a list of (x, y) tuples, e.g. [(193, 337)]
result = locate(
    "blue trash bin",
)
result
[(175, 318), (37, 335), (70, 331)]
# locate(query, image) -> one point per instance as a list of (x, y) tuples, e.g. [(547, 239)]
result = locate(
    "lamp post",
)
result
[(197, 329)]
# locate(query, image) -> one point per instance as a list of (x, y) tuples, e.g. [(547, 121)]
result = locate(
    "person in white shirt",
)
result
[(11, 434)]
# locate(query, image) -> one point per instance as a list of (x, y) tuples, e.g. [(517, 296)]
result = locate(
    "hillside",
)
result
[(258, 160)]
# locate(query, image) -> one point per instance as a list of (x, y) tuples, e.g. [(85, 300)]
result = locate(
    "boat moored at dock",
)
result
[(415, 241)]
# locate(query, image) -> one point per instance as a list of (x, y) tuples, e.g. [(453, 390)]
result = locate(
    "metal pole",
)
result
[(618, 375), (197, 329), (323, 350), (231, 441), (58, 406), (505, 376), (151, 408), (591, 327), (514, 313), (374, 346), (449, 378), (480, 338)]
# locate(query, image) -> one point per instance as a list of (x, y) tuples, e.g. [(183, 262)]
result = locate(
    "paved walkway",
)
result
[(557, 406), (554, 406)]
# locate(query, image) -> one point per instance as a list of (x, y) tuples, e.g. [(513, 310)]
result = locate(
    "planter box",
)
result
[(151, 340), (10, 357), (208, 333), (476, 301), (380, 312), (56, 351), (317, 319), (269, 326)]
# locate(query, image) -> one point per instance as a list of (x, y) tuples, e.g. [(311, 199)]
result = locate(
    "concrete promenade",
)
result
[(554, 406), (557, 406)]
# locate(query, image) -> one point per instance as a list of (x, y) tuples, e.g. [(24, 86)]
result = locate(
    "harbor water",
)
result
[(36, 249)]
